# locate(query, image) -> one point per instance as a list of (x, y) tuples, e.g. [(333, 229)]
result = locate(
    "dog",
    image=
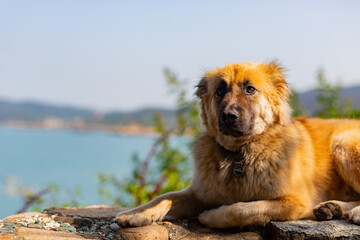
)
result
[(255, 164)]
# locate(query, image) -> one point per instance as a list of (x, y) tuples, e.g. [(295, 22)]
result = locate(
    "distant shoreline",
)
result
[(79, 125)]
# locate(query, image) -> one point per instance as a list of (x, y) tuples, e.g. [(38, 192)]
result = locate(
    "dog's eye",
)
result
[(221, 90), (250, 90)]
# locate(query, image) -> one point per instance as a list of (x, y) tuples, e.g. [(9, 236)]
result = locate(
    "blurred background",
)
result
[(96, 97)]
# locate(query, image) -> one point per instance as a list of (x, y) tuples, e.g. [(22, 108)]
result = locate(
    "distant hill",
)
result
[(142, 117), (35, 111), (308, 99)]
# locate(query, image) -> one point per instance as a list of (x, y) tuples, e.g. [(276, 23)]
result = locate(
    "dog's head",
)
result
[(242, 100)]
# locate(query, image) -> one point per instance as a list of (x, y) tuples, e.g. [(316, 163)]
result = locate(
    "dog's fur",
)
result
[(293, 168)]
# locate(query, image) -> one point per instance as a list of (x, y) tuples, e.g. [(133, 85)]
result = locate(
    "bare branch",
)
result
[(158, 186), (32, 199), (151, 153)]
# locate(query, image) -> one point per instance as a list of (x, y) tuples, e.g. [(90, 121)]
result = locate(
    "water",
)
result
[(65, 158)]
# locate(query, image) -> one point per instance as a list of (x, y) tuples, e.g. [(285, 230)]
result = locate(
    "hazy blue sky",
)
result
[(110, 54)]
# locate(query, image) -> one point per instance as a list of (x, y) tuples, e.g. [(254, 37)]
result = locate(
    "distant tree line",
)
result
[(328, 101)]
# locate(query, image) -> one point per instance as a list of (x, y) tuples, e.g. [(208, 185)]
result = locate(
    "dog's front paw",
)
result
[(328, 210), (206, 218), (354, 215), (215, 218), (236, 215), (133, 219)]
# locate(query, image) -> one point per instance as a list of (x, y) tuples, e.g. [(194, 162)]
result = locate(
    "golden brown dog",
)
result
[(254, 163)]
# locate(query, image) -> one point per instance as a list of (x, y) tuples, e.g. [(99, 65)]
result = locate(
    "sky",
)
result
[(110, 55)]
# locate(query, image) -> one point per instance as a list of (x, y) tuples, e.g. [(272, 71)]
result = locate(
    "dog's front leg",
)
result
[(173, 205), (256, 213)]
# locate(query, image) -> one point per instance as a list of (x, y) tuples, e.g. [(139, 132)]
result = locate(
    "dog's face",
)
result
[(242, 100)]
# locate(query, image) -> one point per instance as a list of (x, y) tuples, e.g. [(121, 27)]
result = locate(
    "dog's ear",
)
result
[(279, 82), (201, 88), (278, 79)]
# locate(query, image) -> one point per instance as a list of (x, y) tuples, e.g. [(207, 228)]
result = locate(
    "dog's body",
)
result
[(253, 163)]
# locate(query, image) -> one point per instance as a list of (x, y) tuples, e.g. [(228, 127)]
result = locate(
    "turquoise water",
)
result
[(65, 158)]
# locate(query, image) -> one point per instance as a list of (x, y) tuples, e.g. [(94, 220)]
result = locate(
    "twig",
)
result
[(151, 153), (33, 198), (158, 186)]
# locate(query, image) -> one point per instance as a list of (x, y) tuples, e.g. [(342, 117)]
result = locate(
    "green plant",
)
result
[(329, 102), (171, 165), (37, 199), (297, 108), (328, 98)]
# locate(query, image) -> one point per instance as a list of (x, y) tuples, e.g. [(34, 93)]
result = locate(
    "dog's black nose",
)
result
[(229, 115)]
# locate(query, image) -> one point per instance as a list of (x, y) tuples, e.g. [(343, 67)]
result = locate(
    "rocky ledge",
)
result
[(95, 222)]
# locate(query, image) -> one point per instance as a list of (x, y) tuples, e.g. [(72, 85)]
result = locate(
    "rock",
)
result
[(93, 212), (23, 224), (40, 234), (114, 227), (143, 233), (192, 229), (85, 229), (97, 223), (307, 229), (24, 215), (34, 226), (6, 237)]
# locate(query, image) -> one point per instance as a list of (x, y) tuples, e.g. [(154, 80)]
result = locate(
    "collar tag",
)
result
[(239, 171)]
